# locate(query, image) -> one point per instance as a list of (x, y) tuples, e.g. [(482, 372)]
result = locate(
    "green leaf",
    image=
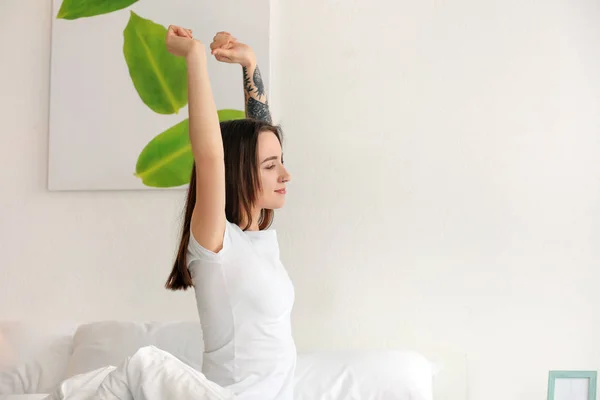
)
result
[(228, 114), (74, 9), (167, 160), (159, 77)]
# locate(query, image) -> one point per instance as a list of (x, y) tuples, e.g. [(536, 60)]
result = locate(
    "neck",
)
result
[(255, 217)]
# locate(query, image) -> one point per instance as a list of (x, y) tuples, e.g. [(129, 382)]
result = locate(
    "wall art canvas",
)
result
[(118, 99)]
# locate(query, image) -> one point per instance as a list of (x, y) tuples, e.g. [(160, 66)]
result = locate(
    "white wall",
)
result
[(446, 192)]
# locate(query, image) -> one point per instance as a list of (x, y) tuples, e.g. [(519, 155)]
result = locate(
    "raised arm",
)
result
[(228, 49), (208, 218)]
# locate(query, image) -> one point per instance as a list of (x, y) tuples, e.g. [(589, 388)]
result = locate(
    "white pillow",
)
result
[(33, 357), (364, 375), (100, 344)]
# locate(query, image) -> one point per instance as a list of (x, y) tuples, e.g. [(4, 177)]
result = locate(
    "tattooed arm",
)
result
[(226, 48), (257, 105)]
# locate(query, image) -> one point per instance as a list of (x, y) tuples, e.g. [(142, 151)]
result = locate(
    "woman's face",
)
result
[(273, 175)]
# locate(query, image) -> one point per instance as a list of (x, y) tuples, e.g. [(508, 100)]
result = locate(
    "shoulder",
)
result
[(232, 237)]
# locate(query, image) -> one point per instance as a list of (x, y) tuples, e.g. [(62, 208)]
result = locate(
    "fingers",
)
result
[(179, 31), (183, 32), (219, 42), (225, 49), (223, 40), (224, 37), (222, 53)]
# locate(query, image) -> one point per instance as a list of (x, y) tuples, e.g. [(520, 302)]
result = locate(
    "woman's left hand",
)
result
[(227, 49)]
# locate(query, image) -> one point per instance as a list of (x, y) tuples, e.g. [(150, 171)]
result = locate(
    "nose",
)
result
[(285, 176)]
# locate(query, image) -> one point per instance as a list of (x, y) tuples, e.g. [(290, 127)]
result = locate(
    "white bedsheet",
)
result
[(149, 374), (152, 373)]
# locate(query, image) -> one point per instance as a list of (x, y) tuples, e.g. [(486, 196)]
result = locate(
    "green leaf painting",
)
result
[(160, 80), (159, 77), (167, 160), (74, 9)]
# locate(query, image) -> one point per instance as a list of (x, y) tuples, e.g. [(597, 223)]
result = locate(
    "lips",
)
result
[(280, 191)]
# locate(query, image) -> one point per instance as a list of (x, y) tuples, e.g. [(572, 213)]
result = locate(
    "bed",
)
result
[(36, 358)]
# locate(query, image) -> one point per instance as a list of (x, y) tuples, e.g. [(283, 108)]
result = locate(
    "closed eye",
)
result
[(272, 158)]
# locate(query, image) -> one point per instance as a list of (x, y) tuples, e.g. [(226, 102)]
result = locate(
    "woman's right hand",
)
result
[(180, 41), (227, 49)]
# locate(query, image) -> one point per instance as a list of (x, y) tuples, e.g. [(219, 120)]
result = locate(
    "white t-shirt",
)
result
[(245, 297)]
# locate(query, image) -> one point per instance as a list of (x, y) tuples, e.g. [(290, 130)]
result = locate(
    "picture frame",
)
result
[(572, 385), (118, 102)]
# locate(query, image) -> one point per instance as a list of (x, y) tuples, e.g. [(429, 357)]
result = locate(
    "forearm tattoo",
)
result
[(257, 105), (258, 82), (258, 110)]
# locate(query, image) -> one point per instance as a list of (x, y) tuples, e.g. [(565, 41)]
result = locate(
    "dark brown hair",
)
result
[(242, 184)]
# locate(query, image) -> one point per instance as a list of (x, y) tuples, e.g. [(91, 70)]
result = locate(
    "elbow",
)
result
[(207, 150)]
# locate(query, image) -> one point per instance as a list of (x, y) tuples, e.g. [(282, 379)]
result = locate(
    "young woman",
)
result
[(243, 293)]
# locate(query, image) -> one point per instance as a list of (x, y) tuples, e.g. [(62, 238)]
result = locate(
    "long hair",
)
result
[(242, 185)]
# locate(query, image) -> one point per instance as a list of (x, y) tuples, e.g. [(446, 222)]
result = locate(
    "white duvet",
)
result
[(149, 374)]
